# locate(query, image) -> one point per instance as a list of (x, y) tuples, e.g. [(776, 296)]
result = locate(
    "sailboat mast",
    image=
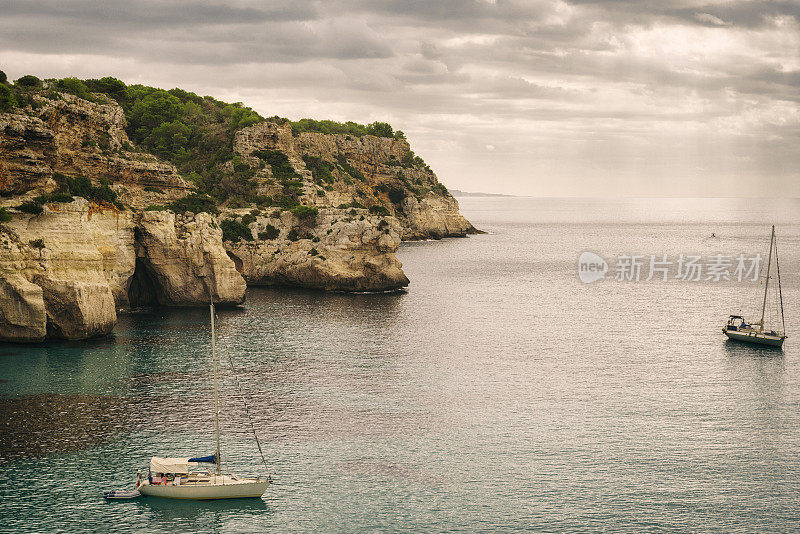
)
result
[(780, 291), (216, 388), (766, 284)]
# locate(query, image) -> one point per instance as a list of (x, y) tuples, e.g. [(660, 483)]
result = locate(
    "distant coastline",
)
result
[(459, 193)]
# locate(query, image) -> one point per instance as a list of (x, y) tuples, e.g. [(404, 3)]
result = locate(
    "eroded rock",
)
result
[(22, 313), (335, 252), (57, 252), (186, 261)]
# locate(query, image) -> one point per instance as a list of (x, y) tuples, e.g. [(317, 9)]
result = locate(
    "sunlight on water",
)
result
[(499, 392)]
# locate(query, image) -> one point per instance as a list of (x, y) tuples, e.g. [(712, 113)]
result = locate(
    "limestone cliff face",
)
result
[(64, 273), (27, 150), (54, 281), (434, 216), (185, 260), (351, 253), (370, 196), (364, 170), (74, 136)]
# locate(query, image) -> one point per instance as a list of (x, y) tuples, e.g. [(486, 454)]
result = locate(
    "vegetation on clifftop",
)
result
[(196, 133), (378, 129)]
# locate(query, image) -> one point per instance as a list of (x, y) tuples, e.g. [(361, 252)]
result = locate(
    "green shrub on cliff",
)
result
[(379, 129), (73, 86), (233, 230), (29, 81), (59, 196), (3, 77), (7, 100), (377, 209), (30, 206), (5, 216), (113, 87), (349, 169), (56, 196), (396, 195), (353, 204), (306, 213), (81, 186), (279, 163), (320, 169), (195, 203), (270, 232)]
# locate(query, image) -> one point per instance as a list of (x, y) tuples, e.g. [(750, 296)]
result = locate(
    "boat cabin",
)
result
[(736, 322)]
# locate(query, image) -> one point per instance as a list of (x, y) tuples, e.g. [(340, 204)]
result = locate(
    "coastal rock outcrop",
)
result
[(22, 313), (314, 210), (351, 253), (73, 136), (434, 216), (369, 171), (64, 273), (56, 252), (185, 260), (370, 193), (27, 151)]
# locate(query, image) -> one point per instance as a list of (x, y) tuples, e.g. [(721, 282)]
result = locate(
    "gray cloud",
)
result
[(148, 14), (581, 84)]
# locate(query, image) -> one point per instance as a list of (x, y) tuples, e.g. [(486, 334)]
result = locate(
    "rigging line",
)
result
[(247, 411), (780, 291)]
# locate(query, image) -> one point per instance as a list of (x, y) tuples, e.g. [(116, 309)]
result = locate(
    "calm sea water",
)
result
[(497, 393)]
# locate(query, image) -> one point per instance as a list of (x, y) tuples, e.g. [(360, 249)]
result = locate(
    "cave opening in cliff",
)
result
[(237, 262), (142, 290)]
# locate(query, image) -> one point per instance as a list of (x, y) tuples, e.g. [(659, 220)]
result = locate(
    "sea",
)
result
[(499, 392)]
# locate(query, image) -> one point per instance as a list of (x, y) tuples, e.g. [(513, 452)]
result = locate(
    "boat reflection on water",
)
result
[(736, 348), (177, 508), (211, 515)]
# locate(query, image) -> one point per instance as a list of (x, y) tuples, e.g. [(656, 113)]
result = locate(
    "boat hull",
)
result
[(755, 338), (228, 490)]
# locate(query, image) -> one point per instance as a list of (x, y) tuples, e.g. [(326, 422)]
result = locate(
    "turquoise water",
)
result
[(497, 393)]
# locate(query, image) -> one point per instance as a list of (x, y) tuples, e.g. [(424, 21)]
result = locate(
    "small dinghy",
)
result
[(122, 494)]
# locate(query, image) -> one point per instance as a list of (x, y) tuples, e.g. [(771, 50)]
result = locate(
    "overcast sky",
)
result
[(556, 98)]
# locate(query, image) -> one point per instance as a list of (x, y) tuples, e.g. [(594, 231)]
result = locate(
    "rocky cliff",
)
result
[(328, 212), (367, 199), (72, 136), (344, 253), (338, 170), (64, 273)]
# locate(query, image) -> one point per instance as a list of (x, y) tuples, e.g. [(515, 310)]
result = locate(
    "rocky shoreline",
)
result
[(64, 272)]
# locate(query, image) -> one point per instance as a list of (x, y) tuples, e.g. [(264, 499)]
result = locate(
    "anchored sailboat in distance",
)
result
[(740, 330), (180, 478)]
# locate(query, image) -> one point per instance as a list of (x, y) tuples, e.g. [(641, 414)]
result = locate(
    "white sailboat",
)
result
[(739, 329), (182, 478)]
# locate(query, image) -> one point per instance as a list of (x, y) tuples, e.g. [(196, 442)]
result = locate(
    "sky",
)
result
[(602, 98)]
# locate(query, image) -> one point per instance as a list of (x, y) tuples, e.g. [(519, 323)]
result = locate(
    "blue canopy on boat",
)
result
[(212, 459)]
